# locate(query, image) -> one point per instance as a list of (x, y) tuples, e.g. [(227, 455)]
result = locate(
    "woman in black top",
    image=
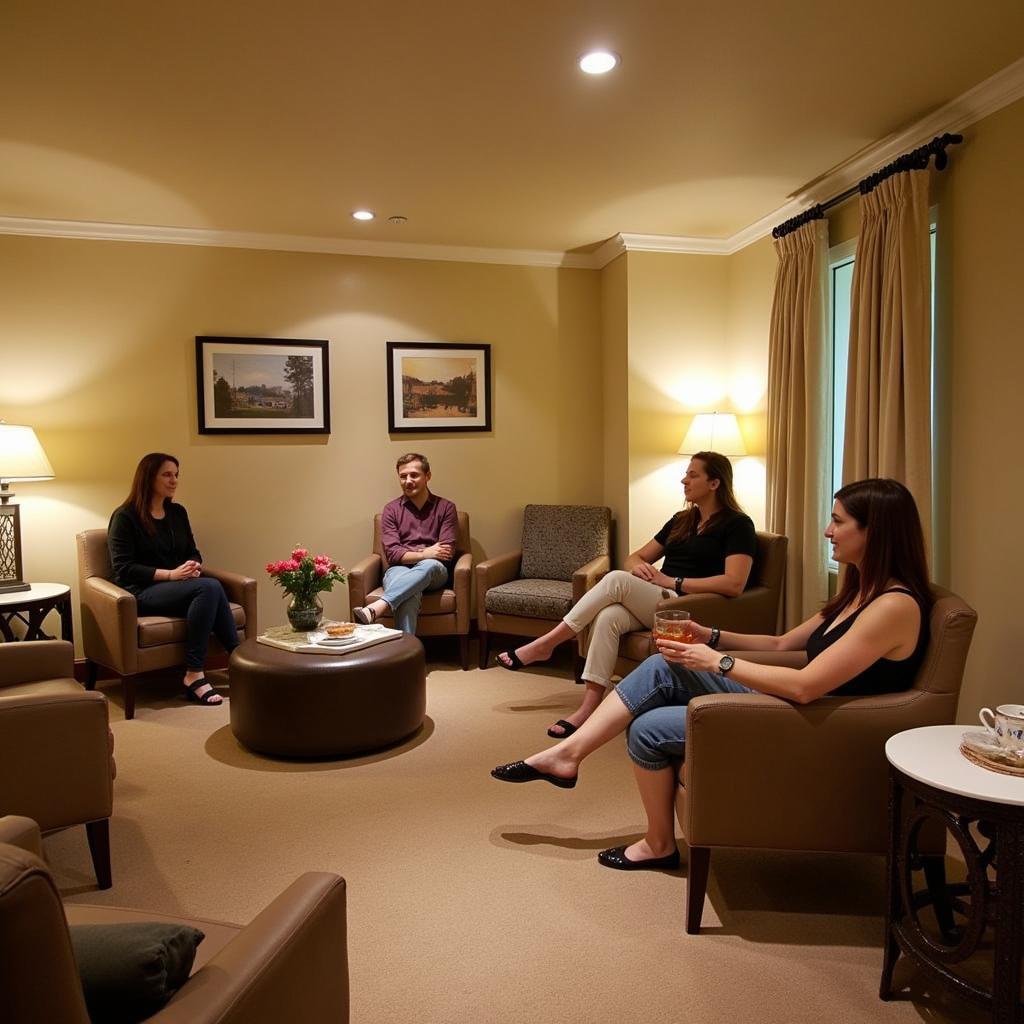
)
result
[(154, 556), (870, 638), (708, 548)]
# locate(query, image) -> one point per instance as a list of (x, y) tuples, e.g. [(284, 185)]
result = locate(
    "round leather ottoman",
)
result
[(327, 705)]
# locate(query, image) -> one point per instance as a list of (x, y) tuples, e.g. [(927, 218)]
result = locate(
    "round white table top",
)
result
[(35, 592), (932, 755)]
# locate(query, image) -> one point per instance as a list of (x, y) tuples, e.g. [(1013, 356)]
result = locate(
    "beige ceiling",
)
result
[(470, 119)]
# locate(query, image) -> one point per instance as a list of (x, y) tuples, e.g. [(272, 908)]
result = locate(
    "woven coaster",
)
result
[(992, 765)]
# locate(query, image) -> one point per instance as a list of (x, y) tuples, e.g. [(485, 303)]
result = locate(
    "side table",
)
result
[(31, 606), (931, 783)]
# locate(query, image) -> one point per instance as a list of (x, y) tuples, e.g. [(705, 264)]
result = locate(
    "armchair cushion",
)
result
[(129, 971), (558, 539), (532, 599), (155, 630)]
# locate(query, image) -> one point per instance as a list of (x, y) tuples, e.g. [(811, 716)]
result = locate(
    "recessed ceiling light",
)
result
[(363, 214), (598, 62)]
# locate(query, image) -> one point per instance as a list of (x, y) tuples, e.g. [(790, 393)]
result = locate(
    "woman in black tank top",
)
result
[(870, 638)]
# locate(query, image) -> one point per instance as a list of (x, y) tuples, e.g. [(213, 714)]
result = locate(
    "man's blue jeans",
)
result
[(657, 692), (404, 586)]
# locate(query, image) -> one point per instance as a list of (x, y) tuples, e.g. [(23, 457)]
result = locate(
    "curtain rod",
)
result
[(917, 160)]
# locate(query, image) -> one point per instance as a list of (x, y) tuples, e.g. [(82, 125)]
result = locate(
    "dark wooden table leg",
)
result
[(5, 627), (67, 622), (1009, 930), (892, 905)]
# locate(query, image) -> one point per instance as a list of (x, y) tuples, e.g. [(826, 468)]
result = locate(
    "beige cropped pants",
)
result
[(620, 603)]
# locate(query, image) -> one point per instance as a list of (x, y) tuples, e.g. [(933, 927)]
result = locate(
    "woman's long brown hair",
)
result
[(717, 467), (142, 487), (894, 547)]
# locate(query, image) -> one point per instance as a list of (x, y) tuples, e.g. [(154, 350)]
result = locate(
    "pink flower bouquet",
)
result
[(305, 575)]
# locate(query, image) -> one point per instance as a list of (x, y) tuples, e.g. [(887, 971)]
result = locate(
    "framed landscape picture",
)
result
[(434, 386), (262, 386)]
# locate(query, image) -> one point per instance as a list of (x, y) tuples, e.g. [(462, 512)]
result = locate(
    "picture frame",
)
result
[(438, 387), (262, 386)]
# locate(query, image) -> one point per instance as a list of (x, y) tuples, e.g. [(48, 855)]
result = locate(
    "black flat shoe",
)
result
[(208, 697), (520, 771), (616, 858), (567, 729), (512, 657)]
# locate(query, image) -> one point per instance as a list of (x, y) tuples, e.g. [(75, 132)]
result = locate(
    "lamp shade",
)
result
[(713, 432), (21, 455)]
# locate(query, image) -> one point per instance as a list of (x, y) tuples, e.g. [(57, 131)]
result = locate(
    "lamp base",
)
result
[(14, 586)]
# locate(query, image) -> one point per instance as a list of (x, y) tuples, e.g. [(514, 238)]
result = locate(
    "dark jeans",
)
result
[(203, 604)]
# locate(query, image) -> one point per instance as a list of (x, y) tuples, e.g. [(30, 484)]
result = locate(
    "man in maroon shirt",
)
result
[(418, 531)]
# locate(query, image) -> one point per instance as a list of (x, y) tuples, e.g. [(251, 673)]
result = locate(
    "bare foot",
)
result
[(535, 651), (643, 850), (554, 762), (201, 691)]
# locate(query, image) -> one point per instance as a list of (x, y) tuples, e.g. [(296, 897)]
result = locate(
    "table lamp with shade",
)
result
[(21, 458), (713, 432)]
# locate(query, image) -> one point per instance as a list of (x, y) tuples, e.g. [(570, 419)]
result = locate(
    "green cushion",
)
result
[(129, 971)]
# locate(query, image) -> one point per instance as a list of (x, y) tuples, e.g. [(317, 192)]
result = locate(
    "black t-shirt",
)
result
[(704, 554)]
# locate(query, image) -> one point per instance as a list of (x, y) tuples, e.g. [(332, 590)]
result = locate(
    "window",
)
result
[(841, 259)]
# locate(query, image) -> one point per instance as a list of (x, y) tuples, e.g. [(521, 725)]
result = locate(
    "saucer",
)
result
[(982, 741), (336, 641)]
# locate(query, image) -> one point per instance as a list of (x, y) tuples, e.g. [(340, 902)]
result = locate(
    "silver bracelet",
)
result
[(716, 636)]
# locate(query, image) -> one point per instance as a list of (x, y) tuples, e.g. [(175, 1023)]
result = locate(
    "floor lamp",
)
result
[(21, 458)]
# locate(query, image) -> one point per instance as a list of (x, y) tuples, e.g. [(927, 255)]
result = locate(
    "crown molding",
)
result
[(998, 91), (160, 235)]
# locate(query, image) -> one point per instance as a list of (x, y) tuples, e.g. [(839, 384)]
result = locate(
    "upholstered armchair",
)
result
[(115, 636), (56, 763), (566, 549), (757, 610), (443, 612), (290, 963), (763, 773)]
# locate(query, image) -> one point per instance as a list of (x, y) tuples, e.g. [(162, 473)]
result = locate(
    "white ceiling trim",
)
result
[(1002, 89)]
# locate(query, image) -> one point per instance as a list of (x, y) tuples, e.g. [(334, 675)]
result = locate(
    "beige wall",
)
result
[(99, 358)]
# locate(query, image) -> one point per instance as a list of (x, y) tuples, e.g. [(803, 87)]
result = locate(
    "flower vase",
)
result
[(305, 613)]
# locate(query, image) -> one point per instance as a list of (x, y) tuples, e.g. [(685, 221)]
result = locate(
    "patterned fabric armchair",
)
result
[(565, 550)]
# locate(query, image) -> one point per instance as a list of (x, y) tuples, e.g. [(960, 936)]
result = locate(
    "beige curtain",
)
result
[(798, 434), (888, 391)]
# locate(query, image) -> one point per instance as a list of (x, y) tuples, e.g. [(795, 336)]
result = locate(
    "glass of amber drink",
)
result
[(671, 624)]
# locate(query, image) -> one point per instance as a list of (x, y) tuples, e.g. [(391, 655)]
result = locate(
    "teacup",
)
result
[(1006, 724)]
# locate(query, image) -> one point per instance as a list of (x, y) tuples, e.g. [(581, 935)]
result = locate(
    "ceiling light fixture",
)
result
[(598, 62), (397, 219), (362, 214)]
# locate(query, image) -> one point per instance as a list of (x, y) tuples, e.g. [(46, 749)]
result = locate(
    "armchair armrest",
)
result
[(747, 613), (589, 575), (290, 963), (40, 659), (55, 764), (759, 770), (363, 578), (462, 583), (110, 625), (240, 590), (16, 830), (492, 573)]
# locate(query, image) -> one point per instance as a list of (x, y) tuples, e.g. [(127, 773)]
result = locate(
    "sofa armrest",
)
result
[(240, 590), (22, 832), (289, 964), (588, 576), (363, 578), (40, 659), (462, 584), (55, 763), (110, 623), (492, 573)]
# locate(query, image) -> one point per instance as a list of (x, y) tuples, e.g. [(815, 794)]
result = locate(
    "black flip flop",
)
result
[(567, 726), (514, 658), (205, 699)]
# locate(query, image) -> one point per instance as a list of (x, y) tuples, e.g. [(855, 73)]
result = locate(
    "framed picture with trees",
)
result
[(262, 386), (435, 386)]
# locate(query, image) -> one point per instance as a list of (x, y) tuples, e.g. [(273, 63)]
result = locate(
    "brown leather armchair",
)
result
[(762, 773), (56, 763), (443, 612), (290, 963), (757, 610), (565, 550), (115, 636)]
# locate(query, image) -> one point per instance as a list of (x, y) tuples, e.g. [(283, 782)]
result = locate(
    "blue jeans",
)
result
[(656, 693), (204, 606), (404, 586)]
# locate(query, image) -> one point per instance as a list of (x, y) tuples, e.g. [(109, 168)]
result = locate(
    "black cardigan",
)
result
[(136, 555)]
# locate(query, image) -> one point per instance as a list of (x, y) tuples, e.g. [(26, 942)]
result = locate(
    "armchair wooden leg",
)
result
[(98, 834), (128, 687), (92, 671), (696, 886), (484, 648), (464, 652)]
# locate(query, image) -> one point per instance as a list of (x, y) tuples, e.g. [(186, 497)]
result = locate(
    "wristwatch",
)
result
[(679, 585), (716, 636), (726, 663)]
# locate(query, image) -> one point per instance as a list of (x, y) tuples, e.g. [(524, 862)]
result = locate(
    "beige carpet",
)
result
[(470, 900)]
